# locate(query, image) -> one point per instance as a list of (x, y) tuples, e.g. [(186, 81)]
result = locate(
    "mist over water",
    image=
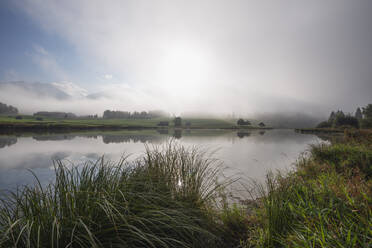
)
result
[(245, 154)]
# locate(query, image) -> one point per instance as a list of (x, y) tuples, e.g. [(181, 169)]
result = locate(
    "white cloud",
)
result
[(71, 89), (108, 76), (220, 55), (47, 62)]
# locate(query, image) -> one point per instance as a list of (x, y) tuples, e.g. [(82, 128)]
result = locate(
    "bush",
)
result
[(346, 121), (344, 157), (242, 122), (324, 124), (366, 123)]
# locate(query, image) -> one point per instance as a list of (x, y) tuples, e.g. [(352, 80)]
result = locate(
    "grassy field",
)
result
[(174, 197), (319, 130), (30, 122)]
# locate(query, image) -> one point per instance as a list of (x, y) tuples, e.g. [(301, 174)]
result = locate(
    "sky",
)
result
[(210, 56)]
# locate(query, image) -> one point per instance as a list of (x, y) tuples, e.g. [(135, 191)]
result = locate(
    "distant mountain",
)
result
[(59, 91)]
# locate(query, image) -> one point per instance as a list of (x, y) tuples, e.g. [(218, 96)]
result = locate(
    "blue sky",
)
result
[(31, 53)]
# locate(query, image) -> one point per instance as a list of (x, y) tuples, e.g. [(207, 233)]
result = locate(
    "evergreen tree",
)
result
[(358, 114), (367, 111), (332, 117)]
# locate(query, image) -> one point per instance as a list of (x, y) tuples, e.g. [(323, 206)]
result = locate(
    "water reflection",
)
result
[(243, 134), (7, 141), (251, 153)]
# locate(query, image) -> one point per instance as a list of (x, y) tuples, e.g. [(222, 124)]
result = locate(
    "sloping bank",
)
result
[(172, 198)]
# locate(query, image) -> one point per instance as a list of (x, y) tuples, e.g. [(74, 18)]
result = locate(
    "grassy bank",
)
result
[(325, 202), (174, 197), (31, 123), (319, 130)]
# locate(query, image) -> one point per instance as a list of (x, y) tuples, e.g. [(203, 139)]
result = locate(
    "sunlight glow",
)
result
[(184, 70)]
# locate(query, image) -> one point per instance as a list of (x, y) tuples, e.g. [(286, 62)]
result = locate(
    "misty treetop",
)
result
[(366, 122), (55, 114), (8, 109), (113, 114), (242, 122), (361, 119), (358, 114), (177, 121)]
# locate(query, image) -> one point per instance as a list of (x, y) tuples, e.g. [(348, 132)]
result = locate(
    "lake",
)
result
[(250, 153)]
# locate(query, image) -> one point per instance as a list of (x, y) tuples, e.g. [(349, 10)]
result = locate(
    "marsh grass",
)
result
[(325, 202), (163, 199), (175, 197)]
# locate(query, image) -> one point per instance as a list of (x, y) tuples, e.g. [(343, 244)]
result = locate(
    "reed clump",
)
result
[(163, 199)]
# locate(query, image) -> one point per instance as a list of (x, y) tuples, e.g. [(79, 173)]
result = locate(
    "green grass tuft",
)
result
[(160, 200)]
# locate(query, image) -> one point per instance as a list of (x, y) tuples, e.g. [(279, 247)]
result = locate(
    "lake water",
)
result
[(251, 153)]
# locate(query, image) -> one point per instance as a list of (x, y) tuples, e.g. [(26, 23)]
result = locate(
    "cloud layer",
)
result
[(219, 56)]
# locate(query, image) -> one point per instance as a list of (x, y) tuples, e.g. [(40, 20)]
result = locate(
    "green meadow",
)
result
[(31, 122)]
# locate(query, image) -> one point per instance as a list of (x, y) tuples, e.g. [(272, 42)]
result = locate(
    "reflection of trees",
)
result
[(262, 132), (163, 131), (243, 134), (7, 141), (177, 133), (129, 138), (53, 137)]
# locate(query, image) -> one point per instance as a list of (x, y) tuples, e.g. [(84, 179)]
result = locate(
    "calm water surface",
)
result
[(251, 154)]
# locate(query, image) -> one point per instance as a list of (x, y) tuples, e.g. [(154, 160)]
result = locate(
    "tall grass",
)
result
[(161, 200), (325, 202), (173, 197)]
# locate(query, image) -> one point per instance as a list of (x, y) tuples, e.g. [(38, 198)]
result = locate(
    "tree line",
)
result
[(8, 109), (113, 114), (361, 119)]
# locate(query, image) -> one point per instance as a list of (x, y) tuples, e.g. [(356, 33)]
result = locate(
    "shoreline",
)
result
[(66, 127)]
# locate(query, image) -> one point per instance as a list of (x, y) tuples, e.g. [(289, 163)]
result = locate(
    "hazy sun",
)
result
[(184, 69)]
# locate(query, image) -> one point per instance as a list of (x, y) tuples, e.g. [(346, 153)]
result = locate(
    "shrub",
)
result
[(324, 124)]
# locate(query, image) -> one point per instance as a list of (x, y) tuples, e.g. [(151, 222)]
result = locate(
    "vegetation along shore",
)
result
[(59, 121), (174, 197)]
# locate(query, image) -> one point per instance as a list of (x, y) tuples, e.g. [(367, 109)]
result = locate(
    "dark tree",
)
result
[(347, 120), (8, 109), (324, 124), (367, 111), (177, 122), (261, 124), (358, 114), (113, 114), (367, 117), (242, 122), (177, 133), (332, 117)]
